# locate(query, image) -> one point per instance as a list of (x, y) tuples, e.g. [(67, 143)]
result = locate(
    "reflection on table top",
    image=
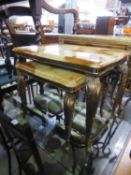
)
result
[(84, 58)]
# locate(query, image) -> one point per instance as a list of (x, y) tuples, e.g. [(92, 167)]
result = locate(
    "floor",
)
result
[(103, 165), (124, 163)]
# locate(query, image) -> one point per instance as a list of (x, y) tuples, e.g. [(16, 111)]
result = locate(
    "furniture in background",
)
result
[(85, 27), (105, 25), (7, 78), (17, 39), (8, 81), (121, 20)]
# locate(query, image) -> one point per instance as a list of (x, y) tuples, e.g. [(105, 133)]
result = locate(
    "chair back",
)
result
[(62, 11), (30, 8), (18, 37)]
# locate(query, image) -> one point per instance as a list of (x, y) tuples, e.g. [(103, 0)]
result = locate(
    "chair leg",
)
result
[(87, 168), (9, 161), (28, 169), (41, 88), (32, 91), (1, 100), (7, 152), (1, 107), (15, 61), (20, 170), (29, 93), (74, 161)]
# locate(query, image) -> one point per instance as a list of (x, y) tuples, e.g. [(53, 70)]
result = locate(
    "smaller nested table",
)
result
[(67, 80)]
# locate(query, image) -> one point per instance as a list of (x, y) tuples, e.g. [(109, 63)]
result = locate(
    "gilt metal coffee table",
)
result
[(95, 63)]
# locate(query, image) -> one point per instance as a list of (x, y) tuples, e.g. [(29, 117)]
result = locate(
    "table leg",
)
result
[(1, 100), (104, 90), (123, 69), (93, 88), (22, 91), (69, 102)]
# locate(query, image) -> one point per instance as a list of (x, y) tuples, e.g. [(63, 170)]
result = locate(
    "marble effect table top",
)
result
[(84, 57)]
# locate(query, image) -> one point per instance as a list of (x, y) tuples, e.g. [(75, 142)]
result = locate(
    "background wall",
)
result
[(110, 4)]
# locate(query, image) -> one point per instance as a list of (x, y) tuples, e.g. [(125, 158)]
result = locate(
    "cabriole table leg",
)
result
[(123, 69), (69, 103), (93, 87)]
